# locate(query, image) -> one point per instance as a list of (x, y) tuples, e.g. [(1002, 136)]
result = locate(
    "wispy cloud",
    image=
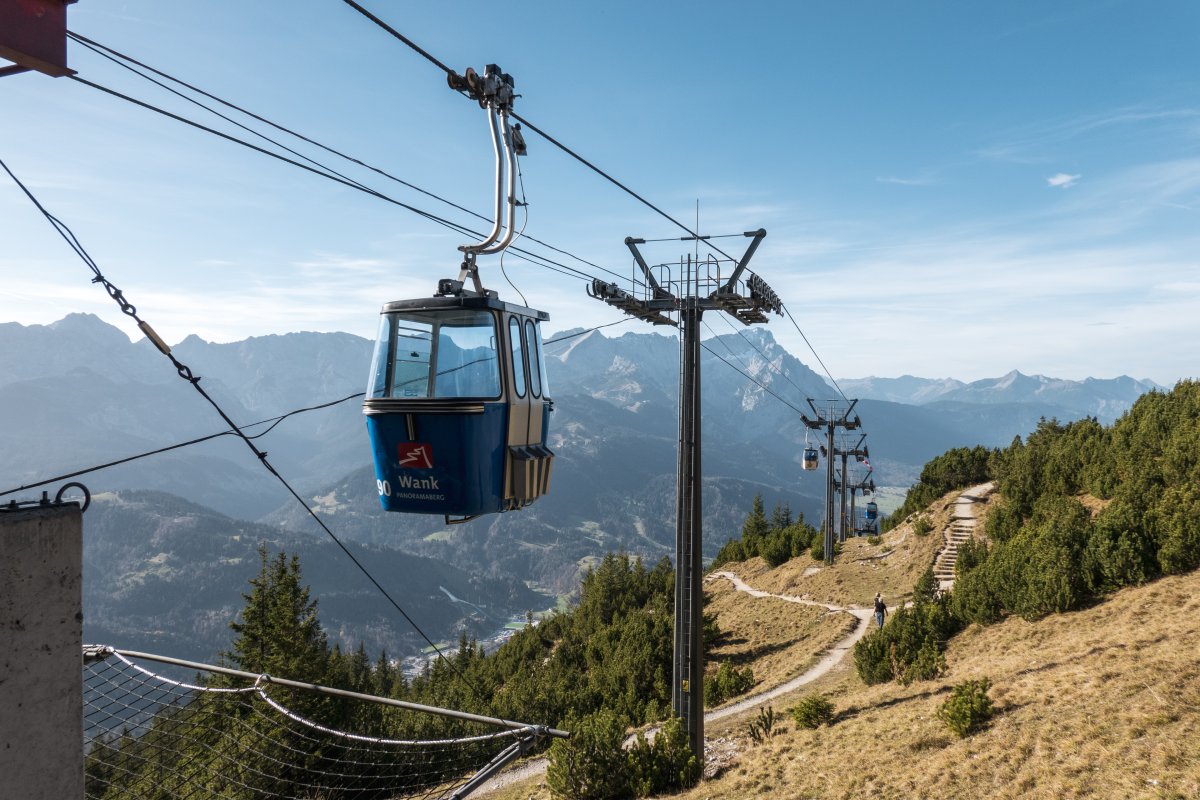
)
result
[(903, 181), (1063, 181), (1033, 143)]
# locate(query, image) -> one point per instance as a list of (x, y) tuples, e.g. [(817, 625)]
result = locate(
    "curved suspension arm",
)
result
[(511, 156), (481, 247)]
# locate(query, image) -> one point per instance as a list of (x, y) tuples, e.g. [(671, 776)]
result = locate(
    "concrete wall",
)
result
[(41, 671)]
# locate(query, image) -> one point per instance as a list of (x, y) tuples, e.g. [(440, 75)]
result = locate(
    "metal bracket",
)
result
[(494, 92), (46, 502)]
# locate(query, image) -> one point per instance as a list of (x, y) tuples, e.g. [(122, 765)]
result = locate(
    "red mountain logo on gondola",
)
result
[(415, 456)]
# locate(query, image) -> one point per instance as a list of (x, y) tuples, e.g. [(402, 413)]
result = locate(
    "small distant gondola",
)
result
[(457, 402), (872, 512), (810, 458)]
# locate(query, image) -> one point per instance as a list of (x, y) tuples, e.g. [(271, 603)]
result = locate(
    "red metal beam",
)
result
[(33, 34)]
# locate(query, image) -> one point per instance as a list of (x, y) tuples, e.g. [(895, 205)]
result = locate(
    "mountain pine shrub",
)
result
[(776, 548), (968, 709), (776, 540), (592, 764), (665, 765), (728, 682), (762, 727), (910, 646), (813, 711)]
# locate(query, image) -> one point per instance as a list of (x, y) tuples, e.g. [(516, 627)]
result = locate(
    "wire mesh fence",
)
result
[(235, 736)]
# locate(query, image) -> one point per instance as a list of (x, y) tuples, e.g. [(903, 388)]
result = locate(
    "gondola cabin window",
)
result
[(534, 342), (518, 356), (450, 354)]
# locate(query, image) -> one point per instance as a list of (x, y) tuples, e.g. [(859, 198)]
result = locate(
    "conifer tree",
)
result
[(755, 527), (278, 632)]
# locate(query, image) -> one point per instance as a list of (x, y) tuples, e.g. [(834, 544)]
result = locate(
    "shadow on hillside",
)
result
[(753, 654), (1094, 651), (853, 711)]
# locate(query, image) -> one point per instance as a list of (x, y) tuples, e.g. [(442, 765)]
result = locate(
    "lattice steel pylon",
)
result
[(830, 423), (655, 298)]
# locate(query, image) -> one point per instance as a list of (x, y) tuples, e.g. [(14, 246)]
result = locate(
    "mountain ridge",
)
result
[(1104, 398)]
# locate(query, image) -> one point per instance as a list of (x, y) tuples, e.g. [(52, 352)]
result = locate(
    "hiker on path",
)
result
[(880, 610)]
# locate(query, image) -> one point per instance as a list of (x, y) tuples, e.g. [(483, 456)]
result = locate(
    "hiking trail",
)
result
[(960, 529)]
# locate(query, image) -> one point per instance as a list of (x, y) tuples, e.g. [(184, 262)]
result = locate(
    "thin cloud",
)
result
[(1031, 144), (903, 181), (1063, 181)]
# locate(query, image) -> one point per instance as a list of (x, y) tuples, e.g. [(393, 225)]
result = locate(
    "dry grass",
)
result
[(891, 567), (1100, 703), (775, 638)]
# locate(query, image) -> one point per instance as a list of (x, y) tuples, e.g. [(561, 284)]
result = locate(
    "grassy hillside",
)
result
[(1102, 702), (890, 567)]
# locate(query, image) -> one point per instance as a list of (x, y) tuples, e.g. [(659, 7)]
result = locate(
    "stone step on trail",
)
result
[(961, 528)]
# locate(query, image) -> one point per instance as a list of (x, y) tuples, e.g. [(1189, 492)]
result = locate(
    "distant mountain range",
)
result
[(78, 393), (1104, 399), (165, 575)]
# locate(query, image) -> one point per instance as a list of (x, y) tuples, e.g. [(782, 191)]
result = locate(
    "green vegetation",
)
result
[(968, 709), (664, 765), (954, 469), (813, 711), (1086, 510), (762, 727), (1051, 553), (593, 764), (910, 646), (777, 540), (612, 652), (728, 682)]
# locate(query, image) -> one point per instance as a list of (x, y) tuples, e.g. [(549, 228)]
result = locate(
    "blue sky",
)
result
[(949, 189)]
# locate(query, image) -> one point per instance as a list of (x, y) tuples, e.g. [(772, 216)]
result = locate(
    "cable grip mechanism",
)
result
[(493, 90)]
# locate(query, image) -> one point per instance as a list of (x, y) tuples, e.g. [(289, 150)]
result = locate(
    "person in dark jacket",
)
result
[(880, 610)]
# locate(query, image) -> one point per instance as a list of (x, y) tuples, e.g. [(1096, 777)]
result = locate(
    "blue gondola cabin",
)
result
[(458, 407)]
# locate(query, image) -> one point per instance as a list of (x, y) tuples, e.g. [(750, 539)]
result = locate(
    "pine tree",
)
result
[(755, 527), (278, 632)]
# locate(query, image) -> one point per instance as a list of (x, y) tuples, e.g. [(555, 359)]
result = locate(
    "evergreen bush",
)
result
[(592, 764), (968, 708), (813, 711), (728, 682), (665, 765), (776, 548), (762, 727), (909, 648)]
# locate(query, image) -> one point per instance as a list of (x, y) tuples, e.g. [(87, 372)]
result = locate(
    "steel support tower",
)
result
[(859, 452), (656, 297), (830, 423), (867, 484)]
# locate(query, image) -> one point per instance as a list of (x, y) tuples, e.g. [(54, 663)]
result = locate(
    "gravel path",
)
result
[(827, 662), (537, 766)]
